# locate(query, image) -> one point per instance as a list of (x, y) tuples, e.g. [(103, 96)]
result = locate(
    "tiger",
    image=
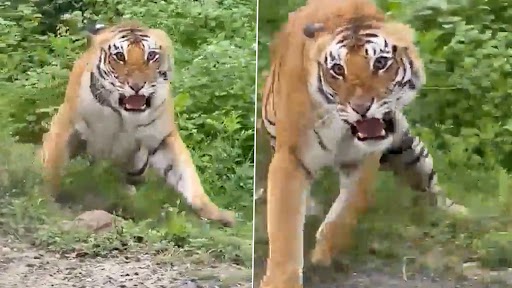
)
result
[(118, 108), (340, 75)]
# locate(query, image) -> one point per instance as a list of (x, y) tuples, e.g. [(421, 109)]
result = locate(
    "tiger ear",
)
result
[(92, 31), (311, 29), (403, 37), (401, 34)]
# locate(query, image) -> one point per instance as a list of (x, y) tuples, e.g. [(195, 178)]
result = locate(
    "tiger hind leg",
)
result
[(60, 144), (410, 161), (172, 160), (334, 235)]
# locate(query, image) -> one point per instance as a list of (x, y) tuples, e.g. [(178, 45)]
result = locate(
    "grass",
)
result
[(168, 229), (213, 87), (394, 229)]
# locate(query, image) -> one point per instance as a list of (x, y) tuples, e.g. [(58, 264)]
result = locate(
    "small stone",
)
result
[(96, 221)]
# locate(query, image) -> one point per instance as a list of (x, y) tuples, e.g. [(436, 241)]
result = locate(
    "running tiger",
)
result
[(340, 75), (118, 107)]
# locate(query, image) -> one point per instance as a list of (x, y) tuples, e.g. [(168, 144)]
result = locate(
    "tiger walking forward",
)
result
[(340, 76), (118, 107)]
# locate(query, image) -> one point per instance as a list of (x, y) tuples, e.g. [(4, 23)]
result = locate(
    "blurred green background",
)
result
[(213, 90), (463, 116)]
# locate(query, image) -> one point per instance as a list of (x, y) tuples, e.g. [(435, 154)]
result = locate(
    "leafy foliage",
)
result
[(213, 88)]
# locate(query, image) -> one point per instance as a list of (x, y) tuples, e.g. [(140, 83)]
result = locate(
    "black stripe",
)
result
[(305, 168), (154, 119), (268, 120), (407, 141), (149, 123), (309, 174), (141, 170), (329, 99), (414, 161), (422, 151), (394, 151), (331, 56), (384, 158), (425, 153), (406, 144), (431, 176), (161, 144), (163, 75), (370, 35), (134, 180), (97, 90), (101, 73), (320, 141), (167, 170)]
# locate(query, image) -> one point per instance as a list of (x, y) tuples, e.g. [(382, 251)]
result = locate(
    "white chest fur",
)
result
[(115, 134), (330, 143)]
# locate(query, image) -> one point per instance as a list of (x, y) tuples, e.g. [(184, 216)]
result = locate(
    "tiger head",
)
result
[(368, 67), (132, 68)]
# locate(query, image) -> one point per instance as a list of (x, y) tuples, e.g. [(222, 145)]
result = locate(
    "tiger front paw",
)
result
[(226, 218), (321, 256), (281, 282)]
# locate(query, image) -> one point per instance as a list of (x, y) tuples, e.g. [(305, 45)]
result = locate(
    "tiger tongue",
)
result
[(370, 127), (135, 101)]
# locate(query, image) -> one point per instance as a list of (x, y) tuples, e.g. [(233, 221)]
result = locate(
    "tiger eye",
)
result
[(338, 69), (152, 55), (119, 56)]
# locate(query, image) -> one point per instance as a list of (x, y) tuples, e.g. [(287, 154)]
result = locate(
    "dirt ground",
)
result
[(385, 276), (22, 265)]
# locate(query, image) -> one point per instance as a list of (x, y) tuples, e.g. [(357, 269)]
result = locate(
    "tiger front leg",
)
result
[(135, 173), (288, 182), (335, 233), (172, 160), (410, 160)]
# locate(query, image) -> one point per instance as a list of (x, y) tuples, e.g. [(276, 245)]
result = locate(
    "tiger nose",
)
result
[(136, 87), (361, 108)]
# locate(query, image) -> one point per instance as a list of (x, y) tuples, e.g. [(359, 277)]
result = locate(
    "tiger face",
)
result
[(368, 75), (132, 69)]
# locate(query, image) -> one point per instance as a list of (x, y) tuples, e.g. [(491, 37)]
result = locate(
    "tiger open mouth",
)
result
[(135, 103), (372, 128)]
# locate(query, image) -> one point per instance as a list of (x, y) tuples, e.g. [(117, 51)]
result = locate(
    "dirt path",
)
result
[(378, 277), (23, 266)]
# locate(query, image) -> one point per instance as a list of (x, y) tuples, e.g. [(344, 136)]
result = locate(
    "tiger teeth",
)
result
[(132, 107), (363, 135)]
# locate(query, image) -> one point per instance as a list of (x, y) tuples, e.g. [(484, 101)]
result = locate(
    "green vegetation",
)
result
[(463, 116), (213, 88)]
